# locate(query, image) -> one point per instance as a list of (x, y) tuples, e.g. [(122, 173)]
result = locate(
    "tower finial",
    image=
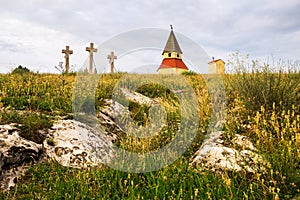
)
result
[(171, 27)]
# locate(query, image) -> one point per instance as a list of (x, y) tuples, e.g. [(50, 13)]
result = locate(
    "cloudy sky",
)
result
[(33, 32)]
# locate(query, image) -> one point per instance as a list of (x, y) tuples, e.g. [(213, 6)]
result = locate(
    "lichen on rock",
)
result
[(16, 155), (214, 155)]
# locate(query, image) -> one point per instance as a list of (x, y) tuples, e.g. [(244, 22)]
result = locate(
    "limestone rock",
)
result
[(70, 143), (107, 117), (16, 155), (215, 155), (138, 98), (74, 144), (116, 119)]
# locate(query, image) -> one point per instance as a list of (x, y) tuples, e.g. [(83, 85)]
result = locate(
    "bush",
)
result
[(190, 72), (20, 70)]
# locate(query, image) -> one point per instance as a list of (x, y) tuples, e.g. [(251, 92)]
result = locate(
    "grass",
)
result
[(177, 181), (32, 126), (262, 105)]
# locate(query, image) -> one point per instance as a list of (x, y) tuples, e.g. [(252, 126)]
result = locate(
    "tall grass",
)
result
[(260, 84), (177, 181), (262, 104)]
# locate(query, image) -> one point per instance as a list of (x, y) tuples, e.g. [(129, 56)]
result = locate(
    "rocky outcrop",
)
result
[(16, 155), (74, 144), (138, 98), (112, 111), (239, 156), (107, 116), (70, 143)]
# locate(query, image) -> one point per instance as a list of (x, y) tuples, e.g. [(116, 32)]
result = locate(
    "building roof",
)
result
[(173, 63), (172, 44), (215, 61)]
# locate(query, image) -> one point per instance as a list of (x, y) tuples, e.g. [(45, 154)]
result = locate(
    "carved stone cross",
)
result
[(67, 53), (112, 58), (91, 50)]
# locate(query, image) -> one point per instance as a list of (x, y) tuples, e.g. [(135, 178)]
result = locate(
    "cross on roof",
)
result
[(67, 53), (91, 50), (111, 58)]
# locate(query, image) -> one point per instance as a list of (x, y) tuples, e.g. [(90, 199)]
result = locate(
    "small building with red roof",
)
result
[(216, 66), (172, 57)]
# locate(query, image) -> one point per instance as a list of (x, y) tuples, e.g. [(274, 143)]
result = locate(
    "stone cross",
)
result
[(112, 58), (91, 50), (67, 53)]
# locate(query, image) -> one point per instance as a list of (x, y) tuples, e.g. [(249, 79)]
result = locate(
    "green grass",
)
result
[(177, 181), (262, 105), (32, 126)]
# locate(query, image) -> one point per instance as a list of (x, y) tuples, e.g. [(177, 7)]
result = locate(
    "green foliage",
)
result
[(88, 105), (259, 84), (262, 88), (279, 133), (46, 93), (190, 72), (262, 104), (139, 113), (155, 90), (51, 142), (177, 181), (20, 70), (33, 126)]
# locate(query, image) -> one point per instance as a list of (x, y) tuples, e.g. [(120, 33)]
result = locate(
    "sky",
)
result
[(34, 32)]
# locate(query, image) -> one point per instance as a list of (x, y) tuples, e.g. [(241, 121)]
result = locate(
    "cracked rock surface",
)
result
[(74, 144), (16, 155), (70, 143), (215, 155)]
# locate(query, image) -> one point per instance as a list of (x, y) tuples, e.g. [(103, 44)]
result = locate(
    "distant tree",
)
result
[(20, 70)]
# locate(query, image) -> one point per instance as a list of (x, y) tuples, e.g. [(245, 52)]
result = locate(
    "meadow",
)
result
[(261, 104)]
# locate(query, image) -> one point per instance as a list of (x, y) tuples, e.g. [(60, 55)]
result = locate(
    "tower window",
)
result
[(170, 54), (178, 55)]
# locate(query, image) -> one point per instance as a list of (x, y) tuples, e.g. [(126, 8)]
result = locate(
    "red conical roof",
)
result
[(172, 63)]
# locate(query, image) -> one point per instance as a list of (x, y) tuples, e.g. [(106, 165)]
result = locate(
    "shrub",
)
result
[(20, 70), (190, 72)]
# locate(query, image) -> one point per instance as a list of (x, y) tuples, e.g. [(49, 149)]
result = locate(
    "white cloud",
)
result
[(33, 32)]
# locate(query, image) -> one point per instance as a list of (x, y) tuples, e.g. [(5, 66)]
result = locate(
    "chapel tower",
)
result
[(172, 57)]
